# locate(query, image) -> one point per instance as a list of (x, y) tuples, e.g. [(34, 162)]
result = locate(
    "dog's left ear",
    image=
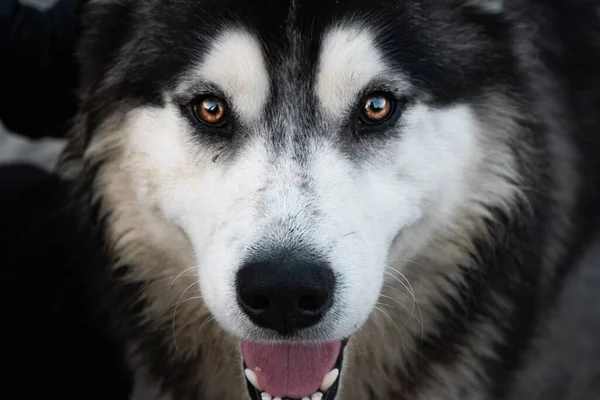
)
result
[(489, 6)]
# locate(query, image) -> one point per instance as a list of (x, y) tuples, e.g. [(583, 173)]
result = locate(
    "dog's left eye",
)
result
[(210, 110), (376, 108)]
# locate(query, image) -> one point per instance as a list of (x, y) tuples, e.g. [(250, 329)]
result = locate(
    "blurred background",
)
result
[(42, 152)]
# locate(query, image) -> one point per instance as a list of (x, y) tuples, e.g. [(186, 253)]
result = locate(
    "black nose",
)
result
[(285, 295)]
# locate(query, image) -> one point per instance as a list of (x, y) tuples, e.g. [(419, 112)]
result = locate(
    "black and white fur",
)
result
[(452, 230)]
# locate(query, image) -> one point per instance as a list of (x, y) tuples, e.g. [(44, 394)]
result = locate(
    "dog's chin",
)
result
[(293, 370)]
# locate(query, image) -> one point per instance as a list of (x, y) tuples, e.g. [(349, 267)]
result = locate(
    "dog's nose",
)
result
[(285, 296)]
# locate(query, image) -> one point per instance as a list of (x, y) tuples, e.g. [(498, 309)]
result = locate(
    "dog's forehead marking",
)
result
[(235, 63), (348, 61)]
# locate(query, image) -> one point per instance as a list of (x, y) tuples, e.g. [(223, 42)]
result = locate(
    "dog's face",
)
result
[(296, 152)]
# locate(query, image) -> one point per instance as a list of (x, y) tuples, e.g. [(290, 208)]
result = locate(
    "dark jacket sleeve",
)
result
[(37, 67)]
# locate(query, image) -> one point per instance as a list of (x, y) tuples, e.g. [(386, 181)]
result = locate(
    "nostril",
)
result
[(257, 302), (285, 294), (312, 303)]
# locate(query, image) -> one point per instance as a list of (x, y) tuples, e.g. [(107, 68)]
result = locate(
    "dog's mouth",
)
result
[(293, 371)]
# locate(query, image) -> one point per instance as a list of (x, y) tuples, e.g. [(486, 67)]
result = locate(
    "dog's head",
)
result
[(295, 157)]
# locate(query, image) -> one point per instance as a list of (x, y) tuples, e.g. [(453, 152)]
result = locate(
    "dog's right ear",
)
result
[(87, 5), (105, 25)]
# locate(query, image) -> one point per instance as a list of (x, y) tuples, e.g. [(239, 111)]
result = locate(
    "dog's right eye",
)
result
[(210, 110)]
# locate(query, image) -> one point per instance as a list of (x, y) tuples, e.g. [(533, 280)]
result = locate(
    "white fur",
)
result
[(349, 61), (236, 65)]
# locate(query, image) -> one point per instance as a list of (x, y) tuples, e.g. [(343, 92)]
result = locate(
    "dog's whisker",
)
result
[(197, 296), (410, 311), (349, 234), (409, 287), (180, 275), (156, 281), (405, 283), (208, 320), (394, 324), (175, 313)]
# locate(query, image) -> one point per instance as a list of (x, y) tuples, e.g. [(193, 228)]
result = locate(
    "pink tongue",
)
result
[(290, 370)]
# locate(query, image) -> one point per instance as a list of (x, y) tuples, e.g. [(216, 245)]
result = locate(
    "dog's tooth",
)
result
[(276, 398), (316, 396), (265, 396), (329, 379), (305, 398), (252, 378)]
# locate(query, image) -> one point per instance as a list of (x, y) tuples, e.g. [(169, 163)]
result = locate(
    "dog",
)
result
[(327, 200)]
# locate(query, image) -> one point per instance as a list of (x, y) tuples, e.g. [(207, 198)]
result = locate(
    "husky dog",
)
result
[(362, 199)]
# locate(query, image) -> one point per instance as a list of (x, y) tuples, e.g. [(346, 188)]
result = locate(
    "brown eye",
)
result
[(210, 110), (376, 109)]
